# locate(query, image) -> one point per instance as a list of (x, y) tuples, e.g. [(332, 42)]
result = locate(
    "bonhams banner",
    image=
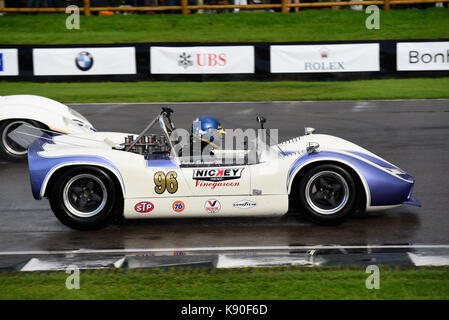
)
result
[(9, 64), (325, 58), (422, 56), (84, 61), (202, 60)]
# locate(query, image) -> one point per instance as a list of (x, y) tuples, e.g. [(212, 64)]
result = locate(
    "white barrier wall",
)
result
[(337, 60)]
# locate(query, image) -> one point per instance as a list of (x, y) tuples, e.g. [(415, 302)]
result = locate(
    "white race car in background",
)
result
[(39, 112), (92, 178)]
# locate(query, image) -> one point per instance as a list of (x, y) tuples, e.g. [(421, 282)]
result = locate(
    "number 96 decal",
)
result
[(164, 182)]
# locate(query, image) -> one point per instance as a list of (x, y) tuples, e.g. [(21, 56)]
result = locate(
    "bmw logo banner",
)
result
[(84, 61), (9, 63)]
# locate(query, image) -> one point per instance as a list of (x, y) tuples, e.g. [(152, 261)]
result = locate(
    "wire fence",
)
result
[(185, 8)]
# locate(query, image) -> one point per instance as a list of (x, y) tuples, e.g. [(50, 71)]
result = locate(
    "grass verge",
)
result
[(146, 91), (307, 25), (259, 283)]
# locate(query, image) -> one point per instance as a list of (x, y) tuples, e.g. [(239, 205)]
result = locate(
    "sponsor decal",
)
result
[(84, 61), (212, 206), (147, 254), (144, 207), (185, 60), (1, 61), (217, 174), (244, 204), (213, 185), (178, 206), (202, 60), (329, 58), (212, 178), (422, 56), (324, 64)]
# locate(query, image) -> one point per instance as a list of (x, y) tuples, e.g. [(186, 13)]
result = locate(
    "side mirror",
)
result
[(308, 130), (261, 120), (312, 147), (168, 111)]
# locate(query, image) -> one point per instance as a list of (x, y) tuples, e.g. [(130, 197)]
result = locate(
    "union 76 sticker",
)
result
[(212, 206), (178, 206)]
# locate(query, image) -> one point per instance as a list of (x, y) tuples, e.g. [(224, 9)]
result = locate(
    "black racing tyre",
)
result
[(84, 198), (9, 149), (327, 194)]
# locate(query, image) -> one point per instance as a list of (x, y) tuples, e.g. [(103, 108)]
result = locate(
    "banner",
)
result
[(84, 61), (9, 62), (202, 60), (324, 58), (422, 56)]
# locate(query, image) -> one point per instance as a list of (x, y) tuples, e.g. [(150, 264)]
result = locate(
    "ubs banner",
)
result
[(202, 60), (9, 63), (325, 58), (84, 61), (422, 56)]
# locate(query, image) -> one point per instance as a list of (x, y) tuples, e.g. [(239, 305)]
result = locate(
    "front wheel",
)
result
[(327, 194), (9, 148), (84, 198)]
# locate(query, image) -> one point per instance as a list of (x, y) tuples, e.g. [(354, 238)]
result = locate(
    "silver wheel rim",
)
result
[(327, 192), (10, 146), (85, 195)]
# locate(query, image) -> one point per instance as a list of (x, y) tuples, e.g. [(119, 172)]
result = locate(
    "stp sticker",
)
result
[(178, 206), (144, 207), (212, 206)]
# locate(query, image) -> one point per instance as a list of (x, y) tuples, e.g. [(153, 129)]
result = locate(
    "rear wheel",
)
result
[(327, 194), (84, 198), (9, 149)]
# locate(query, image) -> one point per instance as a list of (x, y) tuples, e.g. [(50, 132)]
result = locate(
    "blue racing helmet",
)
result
[(206, 127)]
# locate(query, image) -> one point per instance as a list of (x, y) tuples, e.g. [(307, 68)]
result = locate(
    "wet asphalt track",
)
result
[(411, 134)]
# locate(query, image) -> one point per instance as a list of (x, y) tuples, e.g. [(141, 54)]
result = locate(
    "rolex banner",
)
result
[(84, 61), (325, 58), (202, 60)]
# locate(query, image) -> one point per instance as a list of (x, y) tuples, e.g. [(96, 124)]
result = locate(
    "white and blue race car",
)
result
[(39, 112), (93, 178)]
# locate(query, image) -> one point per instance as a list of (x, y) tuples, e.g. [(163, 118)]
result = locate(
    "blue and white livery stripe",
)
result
[(384, 188), (41, 167)]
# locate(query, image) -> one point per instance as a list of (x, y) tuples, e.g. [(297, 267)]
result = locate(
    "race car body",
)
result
[(92, 178), (39, 112)]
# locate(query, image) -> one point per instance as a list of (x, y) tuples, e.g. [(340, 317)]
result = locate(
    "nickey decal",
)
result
[(217, 174), (212, 178)]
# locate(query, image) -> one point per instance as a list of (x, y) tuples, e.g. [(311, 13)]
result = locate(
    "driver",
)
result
[(207, 129)]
